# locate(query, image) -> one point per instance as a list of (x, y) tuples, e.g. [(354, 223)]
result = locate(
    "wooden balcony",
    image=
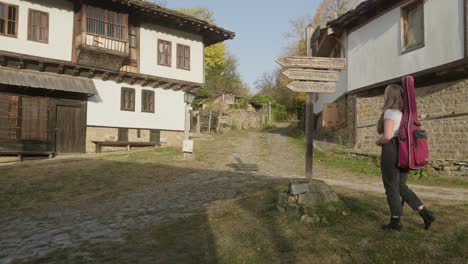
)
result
[(101, 52)]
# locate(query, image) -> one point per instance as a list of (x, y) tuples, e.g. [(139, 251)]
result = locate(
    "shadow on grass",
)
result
[(160, 210)]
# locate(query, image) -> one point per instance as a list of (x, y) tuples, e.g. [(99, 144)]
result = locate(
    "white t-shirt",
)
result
[(394, 115)]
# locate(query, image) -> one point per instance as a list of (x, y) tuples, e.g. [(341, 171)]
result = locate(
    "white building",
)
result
[(74, 72), (384, 40)]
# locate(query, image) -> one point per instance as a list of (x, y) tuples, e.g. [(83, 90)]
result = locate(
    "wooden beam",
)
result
[(145, 82), (76, 71), (120, 78), (105, 76), (312, 87), (41, 66), (61, 69), (312, 62), (312, 75), (91, 73), (21, 64)]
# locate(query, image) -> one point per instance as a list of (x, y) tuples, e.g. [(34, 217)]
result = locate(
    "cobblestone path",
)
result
[(225, 168)]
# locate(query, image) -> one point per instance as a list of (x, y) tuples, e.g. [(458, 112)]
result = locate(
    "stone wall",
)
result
[(172, 138), (168, 138), (344, 132), (243, 119), (443, 110)]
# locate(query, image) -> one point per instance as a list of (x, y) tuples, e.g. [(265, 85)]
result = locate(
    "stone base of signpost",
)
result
[(303, 198)]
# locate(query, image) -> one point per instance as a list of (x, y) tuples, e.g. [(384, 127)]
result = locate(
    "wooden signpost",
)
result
[(311, 75)]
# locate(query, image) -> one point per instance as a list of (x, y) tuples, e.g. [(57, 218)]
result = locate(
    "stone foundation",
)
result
[(172, 138), (167, 138), (443, 111)]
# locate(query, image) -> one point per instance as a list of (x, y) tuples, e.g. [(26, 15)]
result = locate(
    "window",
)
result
[(132, 37), (106, 23), (38, 26), (122, 135), (164, 52), (412, 26), (330, 115), (183, 57), (147, 101), (8, 20), (127, 100)]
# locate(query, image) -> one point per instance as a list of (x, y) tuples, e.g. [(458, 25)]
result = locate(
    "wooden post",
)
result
[(218, 122), (198, 122), (309, 137), (209, 123), (187, 131), (269, 113)]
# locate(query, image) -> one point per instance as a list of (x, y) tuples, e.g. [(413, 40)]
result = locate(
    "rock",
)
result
[(317, 186), (309, 219), (283, 199), (451, 168), (294, 210), (330, 197), (298, 188), (292, 199), (310, 199), (280, 208)]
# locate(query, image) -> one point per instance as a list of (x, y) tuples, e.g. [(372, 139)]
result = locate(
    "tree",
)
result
[(329, 10), (162, 3), (221, 69)]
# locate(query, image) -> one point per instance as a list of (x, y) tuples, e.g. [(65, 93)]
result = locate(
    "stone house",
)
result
[(384, 40), (77, 71)]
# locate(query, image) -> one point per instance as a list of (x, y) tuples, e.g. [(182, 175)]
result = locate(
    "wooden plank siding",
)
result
[(28, 124)]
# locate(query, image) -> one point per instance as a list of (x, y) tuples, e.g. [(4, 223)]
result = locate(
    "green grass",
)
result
[(251, 230)]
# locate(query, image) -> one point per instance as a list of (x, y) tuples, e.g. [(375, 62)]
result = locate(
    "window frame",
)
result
[(30, 37), (7, 20), (404, 11), (125, 24), (181, 58), (160, 41), (143, 103), (122, 105)]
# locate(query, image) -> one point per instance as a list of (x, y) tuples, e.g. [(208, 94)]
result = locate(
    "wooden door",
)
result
[(70, 131)]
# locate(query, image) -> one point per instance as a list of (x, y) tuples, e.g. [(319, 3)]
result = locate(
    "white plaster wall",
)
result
[(374, 50), (149, 53), (104, 108), (341, 85), (60, 30)]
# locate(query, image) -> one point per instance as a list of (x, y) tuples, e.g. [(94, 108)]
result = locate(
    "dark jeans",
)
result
[(394, 181)]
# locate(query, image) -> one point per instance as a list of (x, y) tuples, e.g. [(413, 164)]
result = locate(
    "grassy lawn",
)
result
[(68, 182), (250, 230)]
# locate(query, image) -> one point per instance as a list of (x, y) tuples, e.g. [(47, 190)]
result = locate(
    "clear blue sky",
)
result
[(260, 26)]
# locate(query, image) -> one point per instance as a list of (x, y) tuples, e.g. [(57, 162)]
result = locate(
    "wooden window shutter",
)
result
[(330, 115)]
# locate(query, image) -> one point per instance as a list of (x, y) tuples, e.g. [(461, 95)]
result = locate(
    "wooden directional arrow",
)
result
[(312, 62), (312, 75), (312, 87)]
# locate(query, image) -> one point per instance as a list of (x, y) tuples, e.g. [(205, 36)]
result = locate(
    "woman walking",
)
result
[(395, 179)]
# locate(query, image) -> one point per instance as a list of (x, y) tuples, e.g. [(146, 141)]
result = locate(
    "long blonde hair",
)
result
[(393, 97)]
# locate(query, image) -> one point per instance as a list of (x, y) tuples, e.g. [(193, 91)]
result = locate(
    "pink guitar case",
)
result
[(413, 151)]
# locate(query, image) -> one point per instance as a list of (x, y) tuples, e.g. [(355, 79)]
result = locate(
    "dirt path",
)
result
[(143, 190)]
